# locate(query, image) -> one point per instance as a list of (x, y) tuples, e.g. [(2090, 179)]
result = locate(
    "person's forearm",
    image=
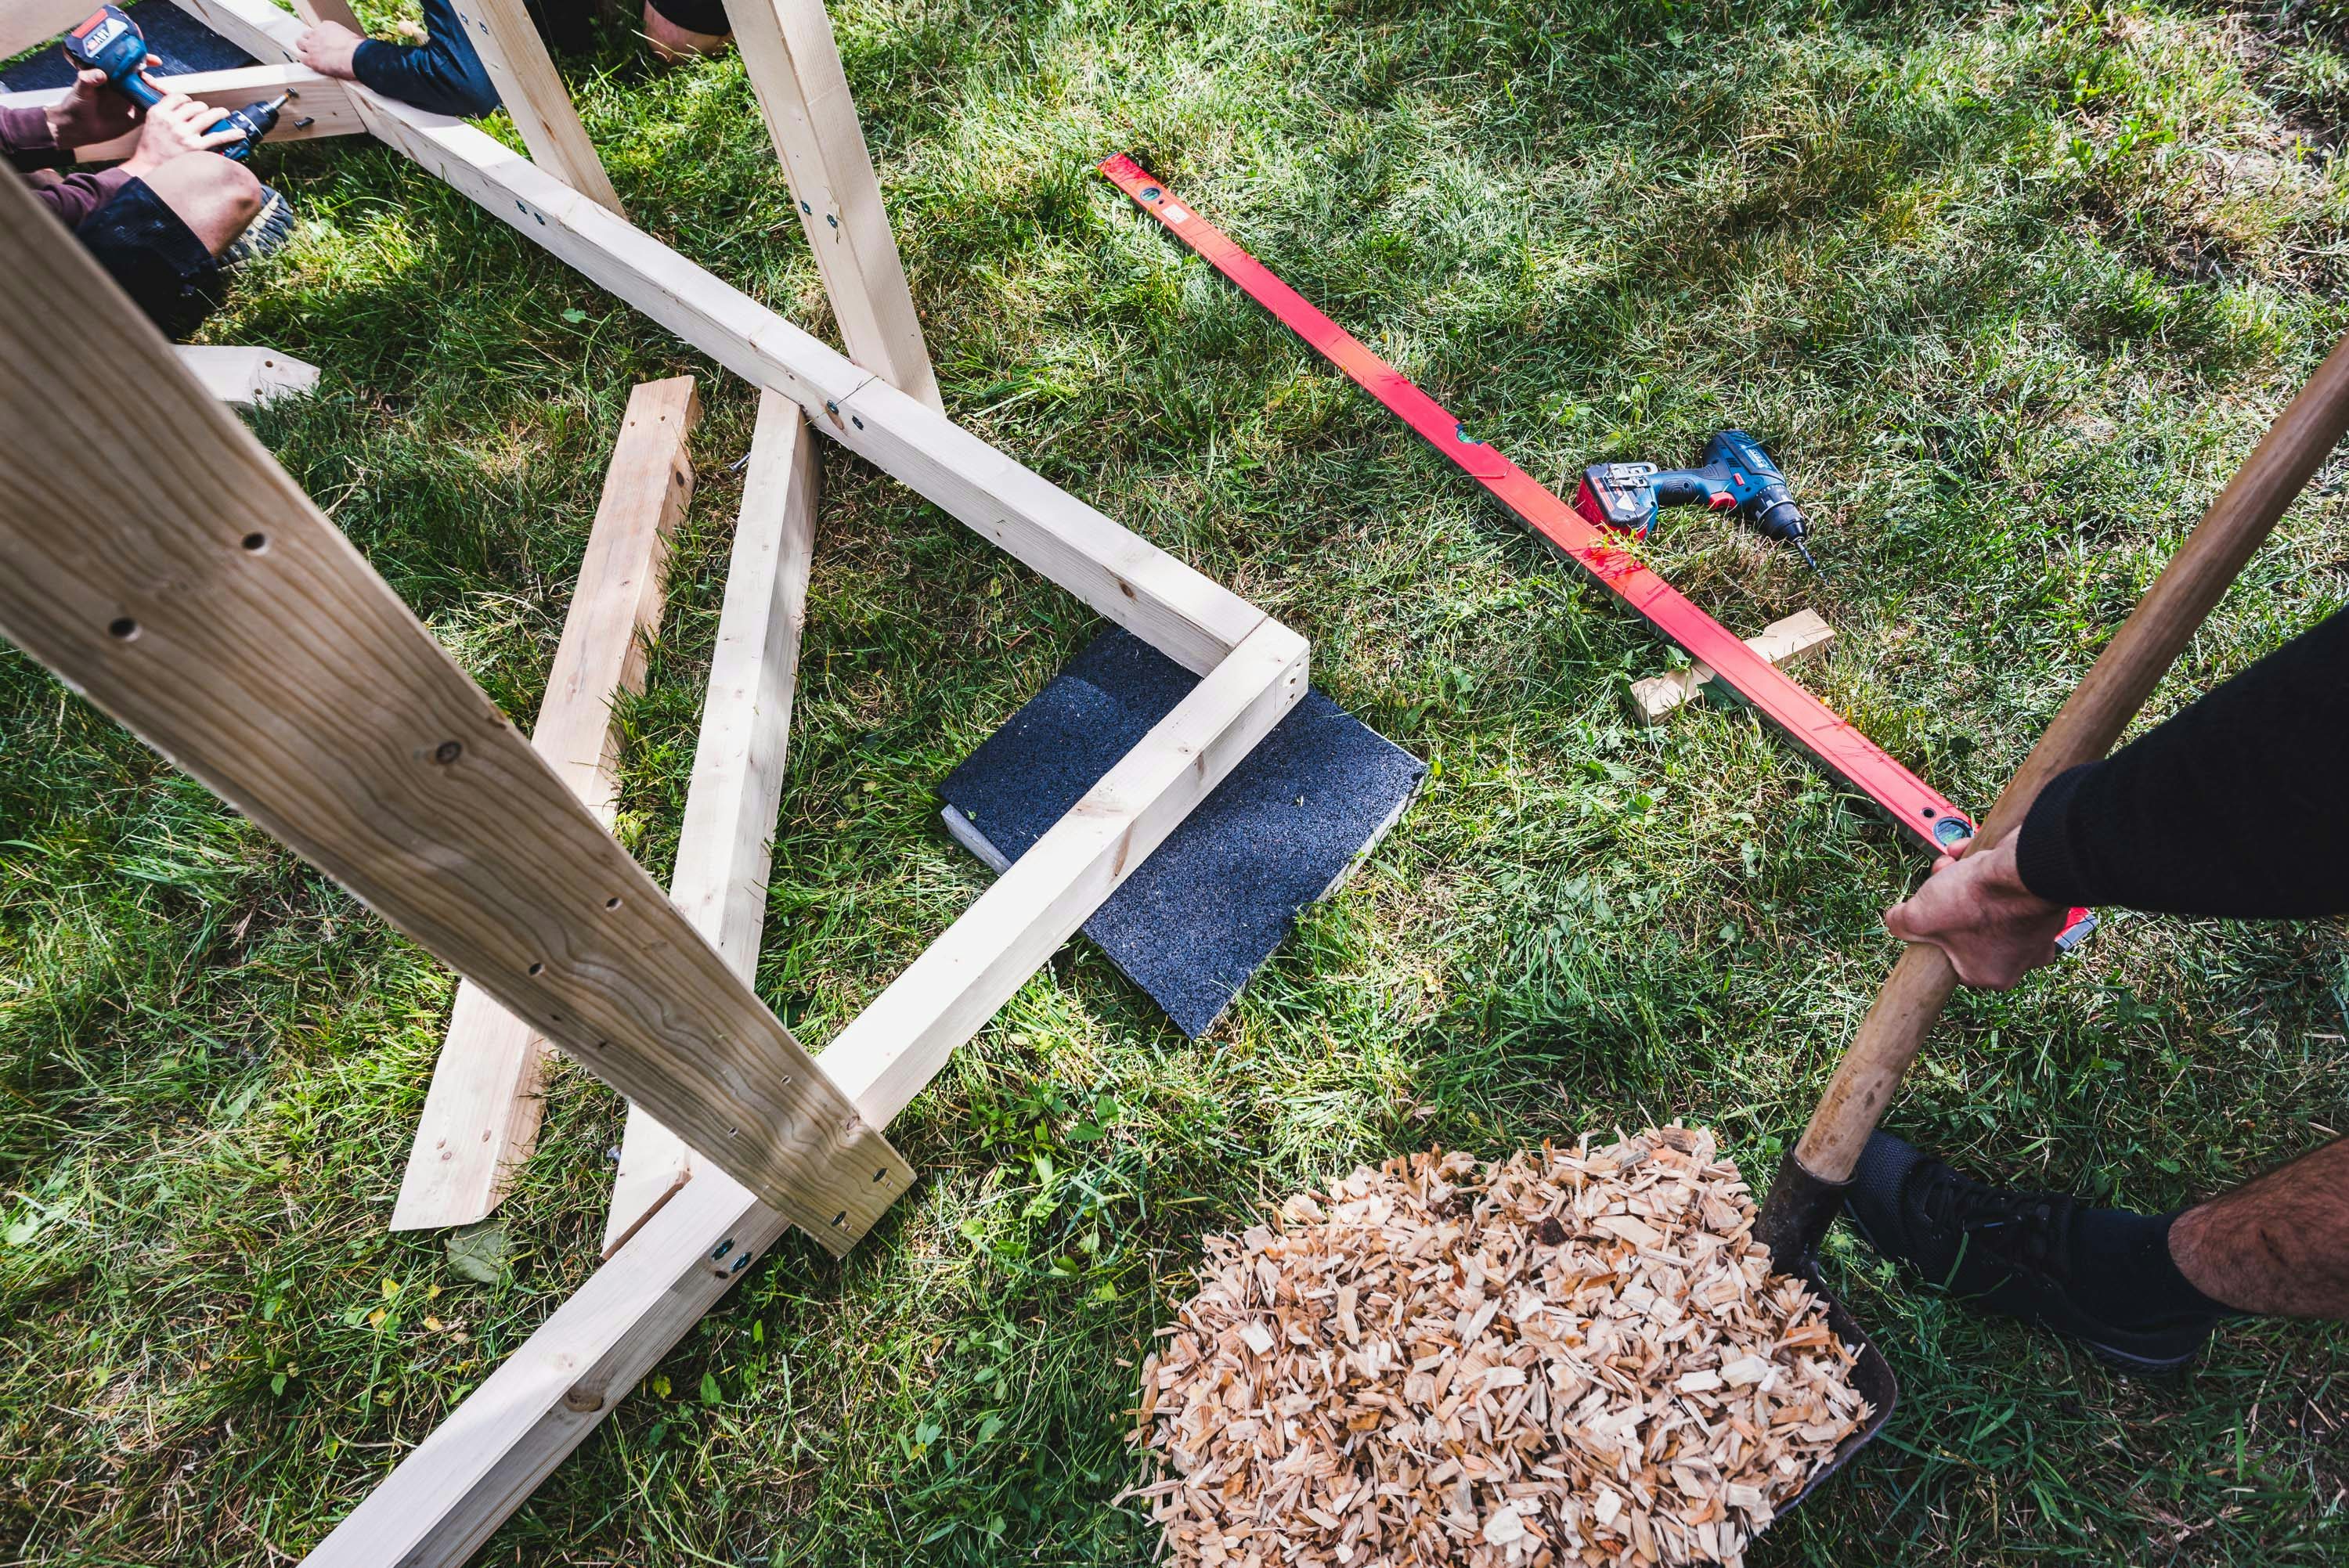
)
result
[(2231, 808)]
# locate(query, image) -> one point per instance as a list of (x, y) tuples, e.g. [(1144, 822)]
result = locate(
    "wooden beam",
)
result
[(726, 846), (1654, 700), (1178, 610), (482, 1462), (247, 377), (202, 599), (1183, 613), (481, 1114), (794, 63), (25, 23), (322, 101), (503, 33)]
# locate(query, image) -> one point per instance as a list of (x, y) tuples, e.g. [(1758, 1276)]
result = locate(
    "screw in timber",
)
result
[(448, 751), (723, 1248)]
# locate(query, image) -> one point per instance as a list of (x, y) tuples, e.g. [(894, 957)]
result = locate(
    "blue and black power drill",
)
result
[(1738, 476), (111, 42)]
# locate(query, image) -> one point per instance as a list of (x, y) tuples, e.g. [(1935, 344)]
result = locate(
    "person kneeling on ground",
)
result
[(160, 221), (443, 75), (2231, 809)]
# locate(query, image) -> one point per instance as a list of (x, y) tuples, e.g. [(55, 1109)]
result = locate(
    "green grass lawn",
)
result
[(2009, 288)]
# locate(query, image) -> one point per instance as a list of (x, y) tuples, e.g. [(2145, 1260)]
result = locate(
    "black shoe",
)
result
[(2002, 1250)]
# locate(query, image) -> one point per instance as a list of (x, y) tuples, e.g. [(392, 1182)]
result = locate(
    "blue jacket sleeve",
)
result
[(441, 75)]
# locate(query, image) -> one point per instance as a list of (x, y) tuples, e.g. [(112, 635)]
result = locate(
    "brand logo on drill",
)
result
[(104, 34)]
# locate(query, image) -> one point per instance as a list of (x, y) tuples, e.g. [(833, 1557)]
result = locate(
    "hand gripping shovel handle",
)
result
[(1811, 1178)]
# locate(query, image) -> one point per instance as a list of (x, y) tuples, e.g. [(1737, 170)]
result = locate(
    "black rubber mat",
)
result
[(1203, 914)]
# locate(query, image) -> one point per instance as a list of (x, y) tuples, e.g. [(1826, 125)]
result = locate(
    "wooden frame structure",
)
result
[(208, 603)]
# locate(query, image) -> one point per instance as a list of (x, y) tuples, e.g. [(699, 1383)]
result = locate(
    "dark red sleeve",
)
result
[(74, 198), (26, 140)]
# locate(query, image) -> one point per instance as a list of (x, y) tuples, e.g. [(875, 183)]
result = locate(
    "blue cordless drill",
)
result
[(1738, 476), (111, 42)]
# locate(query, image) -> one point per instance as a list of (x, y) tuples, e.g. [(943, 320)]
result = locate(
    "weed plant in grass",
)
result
[(2009, 288)]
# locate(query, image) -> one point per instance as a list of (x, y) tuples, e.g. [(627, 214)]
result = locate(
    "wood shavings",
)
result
[(1574, 1357)]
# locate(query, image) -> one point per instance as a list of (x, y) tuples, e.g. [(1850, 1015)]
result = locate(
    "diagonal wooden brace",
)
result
[(156, 557), (481, 1115)]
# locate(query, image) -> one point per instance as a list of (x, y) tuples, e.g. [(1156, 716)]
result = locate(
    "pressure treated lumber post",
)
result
[(484, 1461), (531, 90), (481, 1114), (794, 63), (187, 586), (726, 848)]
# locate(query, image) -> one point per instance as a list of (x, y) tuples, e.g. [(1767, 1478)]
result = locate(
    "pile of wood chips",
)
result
[(1575, 1356)]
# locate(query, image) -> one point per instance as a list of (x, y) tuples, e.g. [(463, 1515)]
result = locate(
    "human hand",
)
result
[(1975, 909), (176, 125), (329, 49), (92, 112)]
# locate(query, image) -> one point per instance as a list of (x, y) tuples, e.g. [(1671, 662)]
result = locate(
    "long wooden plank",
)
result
[(445, 1498), (322, 106), (25, 23), (1177, 610), (481, 1115), (726, 848), (1181, 612), (199, 596), (516, 57), (794, 62)]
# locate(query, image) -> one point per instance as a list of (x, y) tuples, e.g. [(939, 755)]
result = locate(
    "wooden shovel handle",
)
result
[(2156, 633)]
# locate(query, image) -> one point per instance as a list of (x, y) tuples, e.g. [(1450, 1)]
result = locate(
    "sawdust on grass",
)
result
[(1575, 1356)]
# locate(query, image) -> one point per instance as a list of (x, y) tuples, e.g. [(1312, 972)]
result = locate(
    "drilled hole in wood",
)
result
[(537, 969), (122, 626), (448, 751), (840, 1220), (255, 543), (882, 1174), (612, 902)]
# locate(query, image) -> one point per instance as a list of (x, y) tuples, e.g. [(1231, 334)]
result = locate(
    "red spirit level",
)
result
[(1842, 750)]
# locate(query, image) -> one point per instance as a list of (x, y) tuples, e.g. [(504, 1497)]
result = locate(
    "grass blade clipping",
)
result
[(1575, 1356)]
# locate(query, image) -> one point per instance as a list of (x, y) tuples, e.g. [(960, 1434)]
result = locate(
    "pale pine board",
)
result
[(481, 1115), (794, 63), (726, 848)]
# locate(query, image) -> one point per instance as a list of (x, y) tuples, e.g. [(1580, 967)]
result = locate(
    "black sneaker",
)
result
[(2001, 1249), (271, 227)]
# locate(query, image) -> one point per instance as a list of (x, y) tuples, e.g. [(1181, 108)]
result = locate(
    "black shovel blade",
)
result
[(1871, 1374)]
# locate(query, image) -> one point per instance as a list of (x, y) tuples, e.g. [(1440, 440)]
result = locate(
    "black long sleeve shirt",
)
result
[(2238, 806)]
